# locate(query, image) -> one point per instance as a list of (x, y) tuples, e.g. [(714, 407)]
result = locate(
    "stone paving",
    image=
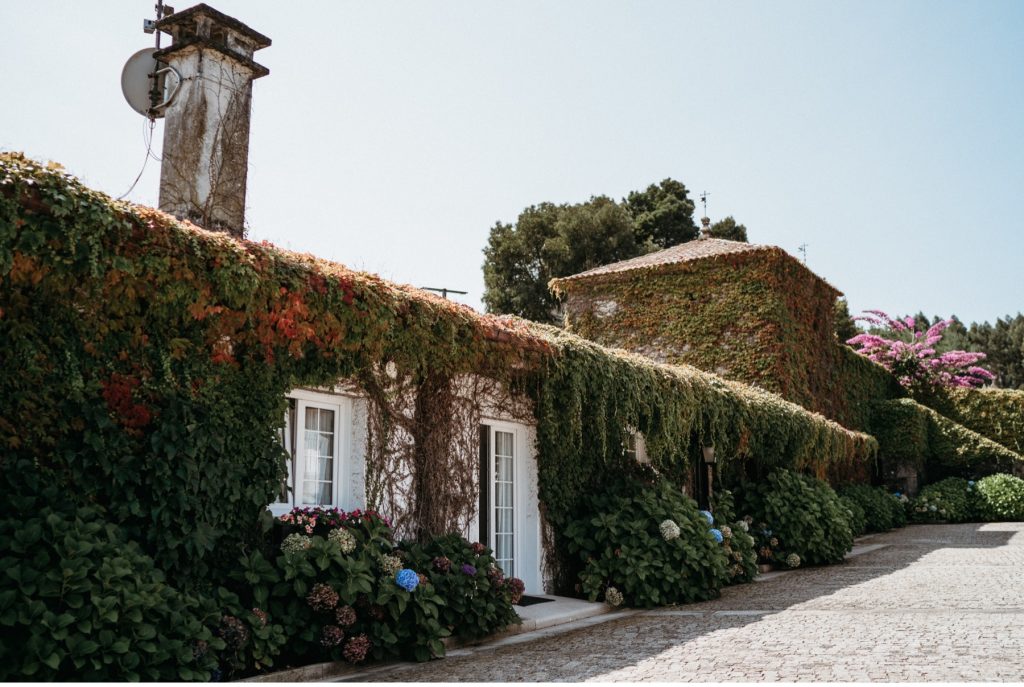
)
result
[(937, 603)]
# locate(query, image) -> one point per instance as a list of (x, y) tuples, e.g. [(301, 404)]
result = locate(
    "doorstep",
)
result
[(560, 611)]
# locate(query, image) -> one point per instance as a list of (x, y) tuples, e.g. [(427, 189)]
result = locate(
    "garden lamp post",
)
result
[(709, 460)]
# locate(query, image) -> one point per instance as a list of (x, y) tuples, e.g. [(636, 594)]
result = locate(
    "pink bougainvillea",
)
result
[(912, 357)]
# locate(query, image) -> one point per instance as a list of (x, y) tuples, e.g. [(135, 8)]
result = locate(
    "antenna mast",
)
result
[(803, 251), (443, 291)]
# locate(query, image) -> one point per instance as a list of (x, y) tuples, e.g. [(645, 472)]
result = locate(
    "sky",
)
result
[(391, 136)]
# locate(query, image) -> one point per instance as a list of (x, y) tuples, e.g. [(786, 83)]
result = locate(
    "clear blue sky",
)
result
[(889, 136)]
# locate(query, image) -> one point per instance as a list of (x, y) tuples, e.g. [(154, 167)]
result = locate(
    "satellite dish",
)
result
[(137, 83)]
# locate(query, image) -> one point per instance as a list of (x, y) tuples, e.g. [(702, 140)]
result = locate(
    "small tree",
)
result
[(911, 354)]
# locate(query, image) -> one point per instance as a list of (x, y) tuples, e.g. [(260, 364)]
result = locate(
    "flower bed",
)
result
[(339, 587)]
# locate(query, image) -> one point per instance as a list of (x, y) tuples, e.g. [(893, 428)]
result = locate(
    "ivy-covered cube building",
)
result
[(747, 312)]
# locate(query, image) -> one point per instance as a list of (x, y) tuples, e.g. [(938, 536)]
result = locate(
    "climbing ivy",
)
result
[(149, 361), (757, 316)]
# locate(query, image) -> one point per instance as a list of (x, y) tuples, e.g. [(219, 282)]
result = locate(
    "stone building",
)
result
[(750, 313)]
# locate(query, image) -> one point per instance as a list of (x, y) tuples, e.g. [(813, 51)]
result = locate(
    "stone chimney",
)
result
[(705, 227), (206, 124)]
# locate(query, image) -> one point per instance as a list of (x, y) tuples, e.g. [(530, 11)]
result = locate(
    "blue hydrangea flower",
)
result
[(407, 579), (717, 534), (708, 516)]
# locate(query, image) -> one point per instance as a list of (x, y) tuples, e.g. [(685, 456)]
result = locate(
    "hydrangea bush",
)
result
[(950, 500), (338, 587), (478, 595), (622, 546), (882, 510), (796, 514), (1001, 497)]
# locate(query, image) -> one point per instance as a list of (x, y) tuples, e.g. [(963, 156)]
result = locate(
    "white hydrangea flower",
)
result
[(726, 531), (613, 596), (390, 564), (669, 530), (743, 525), (793, 560), (343, 539), (294, 543)]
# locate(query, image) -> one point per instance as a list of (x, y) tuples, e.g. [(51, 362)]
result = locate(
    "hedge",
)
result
[(996, 414), (912, 434)]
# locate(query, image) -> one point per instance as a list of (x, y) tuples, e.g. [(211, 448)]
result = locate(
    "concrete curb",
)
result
[(585, 615)]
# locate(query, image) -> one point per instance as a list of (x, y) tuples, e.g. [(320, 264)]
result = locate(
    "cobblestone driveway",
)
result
[(940, 602)]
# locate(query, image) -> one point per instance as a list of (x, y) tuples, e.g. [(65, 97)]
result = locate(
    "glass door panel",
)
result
[(504, 501)]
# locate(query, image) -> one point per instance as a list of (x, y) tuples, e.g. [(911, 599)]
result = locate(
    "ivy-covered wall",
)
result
[(758, 317), (146, 364)]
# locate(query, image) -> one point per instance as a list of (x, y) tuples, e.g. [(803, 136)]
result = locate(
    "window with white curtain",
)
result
[(313, 438)]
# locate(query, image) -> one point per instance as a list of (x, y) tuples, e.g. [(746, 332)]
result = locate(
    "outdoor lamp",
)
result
[(709, 460)]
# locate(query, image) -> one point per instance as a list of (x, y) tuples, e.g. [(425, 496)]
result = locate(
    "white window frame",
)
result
[(342, 407)]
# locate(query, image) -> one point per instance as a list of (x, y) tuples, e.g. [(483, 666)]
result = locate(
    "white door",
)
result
[(509, 515)]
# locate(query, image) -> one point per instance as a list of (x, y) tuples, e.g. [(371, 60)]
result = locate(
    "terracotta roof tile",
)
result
[(699, 249), (684, 252)]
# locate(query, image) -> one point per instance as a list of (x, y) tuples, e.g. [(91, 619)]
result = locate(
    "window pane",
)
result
[(326, 444), (326, 420), (311, 465), (326, 471), (325, 495), (503, 443), (309, 493), (311, 419)]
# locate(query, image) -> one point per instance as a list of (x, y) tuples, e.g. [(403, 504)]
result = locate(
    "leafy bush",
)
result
[(858, 519), (950, 500), (882, 511), (1001, 497), (78, 601), (646, 544), (337, 587), (478, 597), (738, 545), (344, 592), (740, 552), (801, 515)]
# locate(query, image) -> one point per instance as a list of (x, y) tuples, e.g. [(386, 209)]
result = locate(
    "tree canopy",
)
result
[(549, 240), (728, 229)]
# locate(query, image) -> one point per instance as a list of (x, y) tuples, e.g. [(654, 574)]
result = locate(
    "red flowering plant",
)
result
[(900, 346)]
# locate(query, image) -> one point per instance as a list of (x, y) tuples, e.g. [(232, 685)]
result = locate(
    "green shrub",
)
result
[(740, 552), (738, 545), (646, 544), (949, 500), (882, 510), (78, 601), (478, 598), (800, 514), (330, 591), (858, 519), (335, 594), (1001, 497)]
